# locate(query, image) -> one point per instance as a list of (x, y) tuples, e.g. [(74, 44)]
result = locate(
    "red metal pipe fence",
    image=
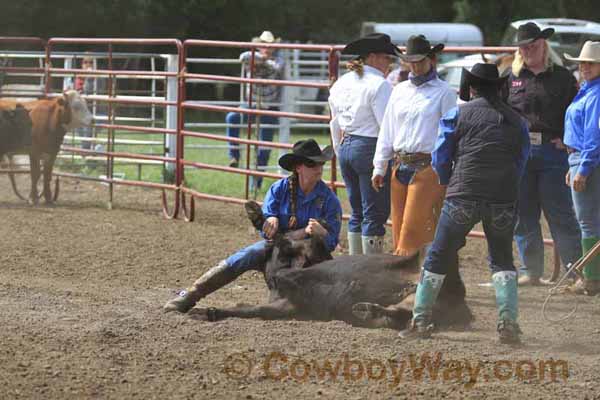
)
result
[(110, 154)]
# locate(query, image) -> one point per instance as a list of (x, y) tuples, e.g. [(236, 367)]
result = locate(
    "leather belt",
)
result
[(407, 158)]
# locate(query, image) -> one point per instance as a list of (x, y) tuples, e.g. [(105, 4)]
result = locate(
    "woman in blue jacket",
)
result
[(294, 204), (582, 136)]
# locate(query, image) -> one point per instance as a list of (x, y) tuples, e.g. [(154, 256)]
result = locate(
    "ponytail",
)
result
[(293, 181), (357, 65)]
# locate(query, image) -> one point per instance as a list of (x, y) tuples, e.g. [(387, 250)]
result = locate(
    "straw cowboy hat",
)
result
[(418, 47), (266, 37), (590, 52), (530, 32), (480, 75), (305, 150), (372, 43)]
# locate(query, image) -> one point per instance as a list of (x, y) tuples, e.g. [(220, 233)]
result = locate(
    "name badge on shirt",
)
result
[(535, 138)]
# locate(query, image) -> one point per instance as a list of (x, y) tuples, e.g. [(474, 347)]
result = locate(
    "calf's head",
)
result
[(289, 253), (80, 115)]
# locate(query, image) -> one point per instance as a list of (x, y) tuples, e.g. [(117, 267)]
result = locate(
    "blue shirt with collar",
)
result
[(321, 203), (582, 126)]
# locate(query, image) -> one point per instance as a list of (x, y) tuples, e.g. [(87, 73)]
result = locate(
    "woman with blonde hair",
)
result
[(541, 91), (357, 101), (408, 134)]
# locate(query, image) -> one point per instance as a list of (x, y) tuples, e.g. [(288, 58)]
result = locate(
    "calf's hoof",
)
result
[(255, 214), (367, 311), (210, 314), (406, 291)]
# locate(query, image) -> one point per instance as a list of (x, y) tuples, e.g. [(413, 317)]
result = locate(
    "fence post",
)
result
[(288, 95), (171, 121)]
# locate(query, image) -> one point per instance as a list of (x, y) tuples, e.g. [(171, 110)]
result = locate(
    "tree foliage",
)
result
[(332, 21)]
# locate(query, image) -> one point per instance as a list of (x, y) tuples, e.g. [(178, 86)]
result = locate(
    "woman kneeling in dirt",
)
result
[(294, 204)]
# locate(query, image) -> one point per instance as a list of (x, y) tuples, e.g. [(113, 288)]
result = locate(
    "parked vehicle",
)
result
[(450, 34)]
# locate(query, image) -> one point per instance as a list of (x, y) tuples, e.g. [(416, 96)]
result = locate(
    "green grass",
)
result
[(202, 180)]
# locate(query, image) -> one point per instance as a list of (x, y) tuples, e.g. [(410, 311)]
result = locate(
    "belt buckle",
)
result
[(535, 138)]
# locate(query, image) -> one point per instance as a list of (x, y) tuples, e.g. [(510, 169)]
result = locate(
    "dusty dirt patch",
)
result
[(81, 290)]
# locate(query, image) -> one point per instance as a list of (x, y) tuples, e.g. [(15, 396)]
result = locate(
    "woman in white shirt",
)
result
[(408, 133), (357, 101)]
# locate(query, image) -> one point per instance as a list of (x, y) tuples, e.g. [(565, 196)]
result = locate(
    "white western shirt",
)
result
[(357, 104), (411, 119)]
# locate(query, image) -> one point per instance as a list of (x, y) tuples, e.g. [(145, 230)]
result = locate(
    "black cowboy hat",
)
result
[(529, 32), (418, 47), (480, 75), (372, 43), (305, 150)]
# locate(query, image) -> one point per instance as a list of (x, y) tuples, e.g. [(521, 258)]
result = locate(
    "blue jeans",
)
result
[(370, 209), (587, 203), (250, 257), (543, 188), (458, 217), (265, 134), (85, 131)]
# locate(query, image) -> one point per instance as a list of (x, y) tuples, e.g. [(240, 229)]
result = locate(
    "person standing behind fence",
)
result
[(408, 133), (84, 84), (267, 65), (480, 153), (541, 91), (582, 137), (357, 103)]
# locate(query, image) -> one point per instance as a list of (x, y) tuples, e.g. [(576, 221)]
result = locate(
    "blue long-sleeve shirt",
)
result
[(582, 126), (321, 203), (443, 156)]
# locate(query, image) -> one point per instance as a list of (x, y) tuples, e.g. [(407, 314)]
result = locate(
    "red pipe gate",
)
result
[(182, 104)]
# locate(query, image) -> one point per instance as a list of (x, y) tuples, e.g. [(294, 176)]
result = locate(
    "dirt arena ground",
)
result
[(81, 291)]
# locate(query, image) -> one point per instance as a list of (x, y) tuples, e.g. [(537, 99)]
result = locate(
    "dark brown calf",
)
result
[(371, 290)]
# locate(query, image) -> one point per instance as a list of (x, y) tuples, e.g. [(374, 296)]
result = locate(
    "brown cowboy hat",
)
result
[(305, 150), (372, 43), (529, 32), (418, 47)]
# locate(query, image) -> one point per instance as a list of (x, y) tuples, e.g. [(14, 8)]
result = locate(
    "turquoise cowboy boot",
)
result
[(507, 302), (427, 292)]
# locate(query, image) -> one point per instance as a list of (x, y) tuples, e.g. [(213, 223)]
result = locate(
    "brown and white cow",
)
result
[(51, 119)]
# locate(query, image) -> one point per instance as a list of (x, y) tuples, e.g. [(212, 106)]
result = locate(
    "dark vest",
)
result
[(489, 145)]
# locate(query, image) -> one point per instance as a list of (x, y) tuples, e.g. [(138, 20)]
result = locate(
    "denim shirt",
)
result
[(582, 126), (321, 203)]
